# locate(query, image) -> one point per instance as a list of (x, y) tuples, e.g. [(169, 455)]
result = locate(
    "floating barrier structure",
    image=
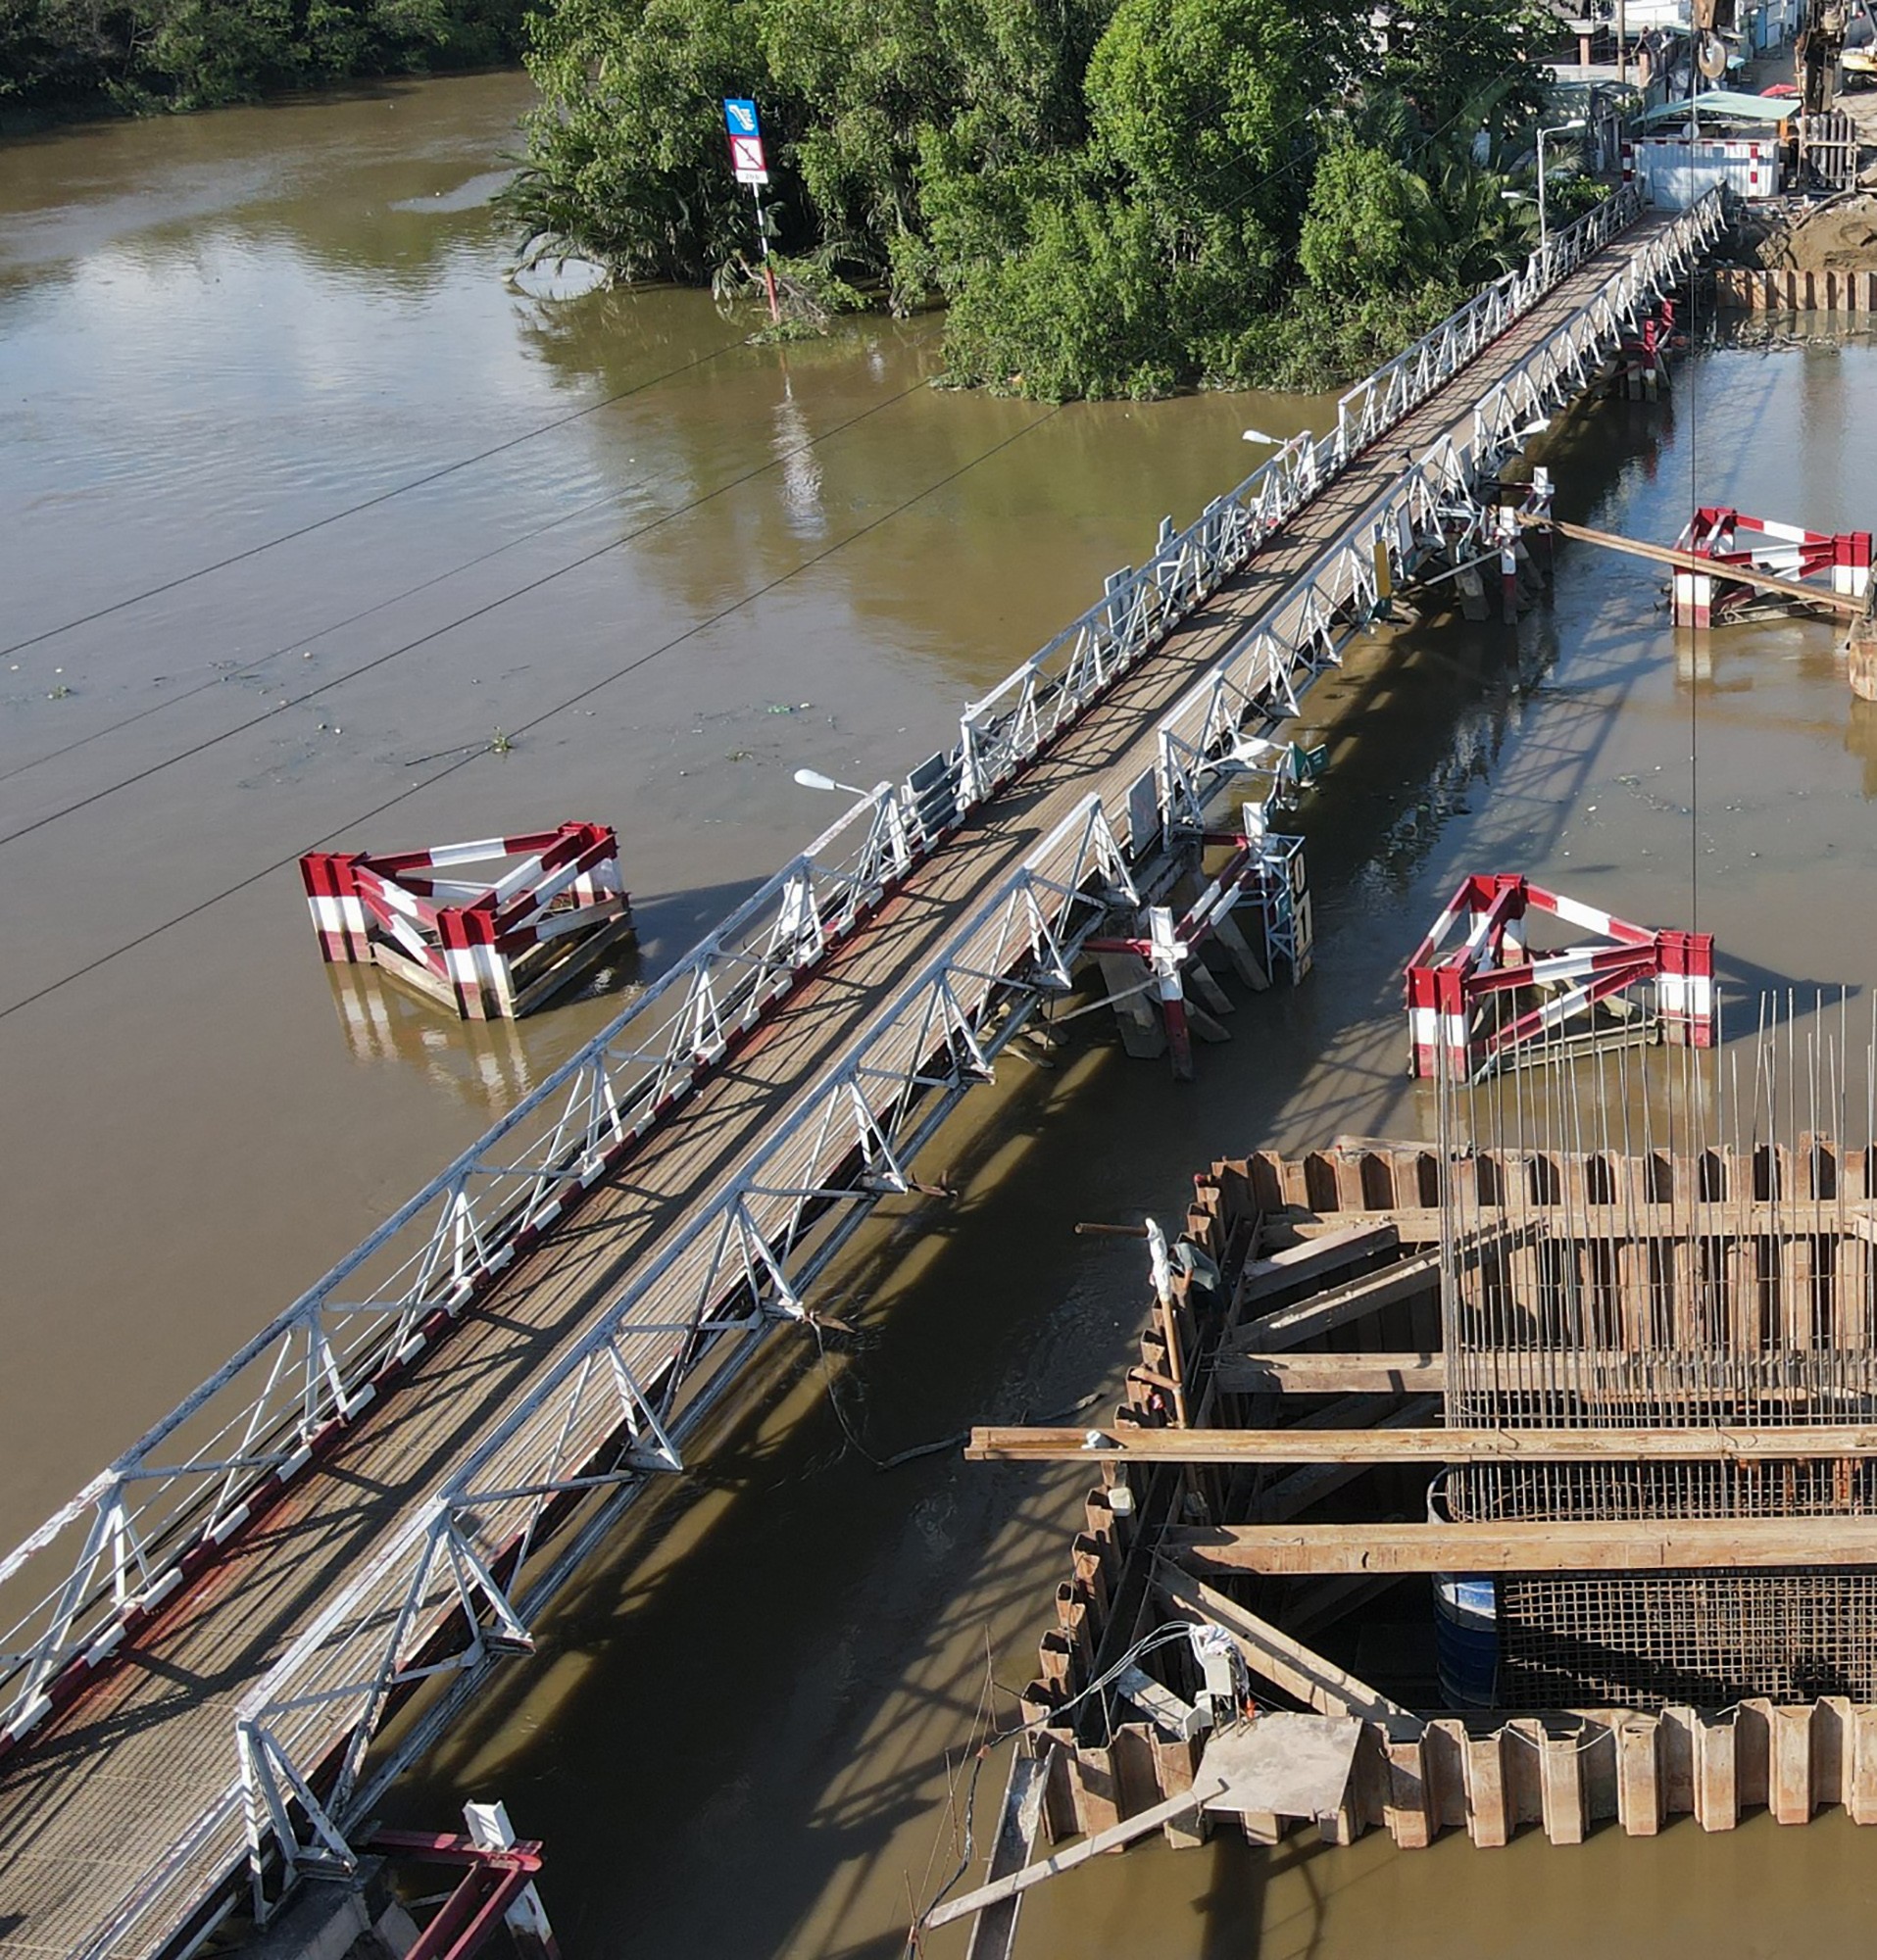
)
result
[(1736, 544), (1489, 1001), (1618, 1399), (550, 907)]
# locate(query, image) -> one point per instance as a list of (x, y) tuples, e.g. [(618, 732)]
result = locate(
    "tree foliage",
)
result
[(1112, 196), (77, 55)]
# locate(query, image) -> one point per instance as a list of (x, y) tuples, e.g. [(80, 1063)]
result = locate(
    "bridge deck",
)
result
[(89, 1802)]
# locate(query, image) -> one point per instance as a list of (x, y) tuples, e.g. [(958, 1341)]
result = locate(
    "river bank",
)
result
[(61, 61), (198, 1125)]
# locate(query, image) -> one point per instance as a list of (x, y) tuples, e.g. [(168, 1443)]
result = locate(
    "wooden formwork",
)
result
[(1339, 1245)]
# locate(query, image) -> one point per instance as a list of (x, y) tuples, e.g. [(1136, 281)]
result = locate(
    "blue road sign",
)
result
[(740, 118)]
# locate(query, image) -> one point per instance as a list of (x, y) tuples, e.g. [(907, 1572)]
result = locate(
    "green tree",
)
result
[(79, 55), (627, 159), (1113, 196), (1364, 231), (1476, 62)]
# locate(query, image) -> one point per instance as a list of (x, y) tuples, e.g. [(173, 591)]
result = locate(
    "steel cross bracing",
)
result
[(608, 1414), (164, 1507), (1223, 725)]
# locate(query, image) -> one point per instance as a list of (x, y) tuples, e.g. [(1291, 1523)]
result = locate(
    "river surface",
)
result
[(300, 505)]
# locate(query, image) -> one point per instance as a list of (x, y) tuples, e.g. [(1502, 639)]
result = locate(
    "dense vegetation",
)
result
[(89, 55), (1113, 196)]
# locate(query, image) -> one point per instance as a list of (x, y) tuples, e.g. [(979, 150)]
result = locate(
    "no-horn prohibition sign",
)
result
[(745, 131)]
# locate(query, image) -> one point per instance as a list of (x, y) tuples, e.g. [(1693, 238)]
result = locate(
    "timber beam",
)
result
[(1622, 1545), (1787, 1218), (1274, 1656), (1354, 1299), (1820, 1376), (1367, 1374), (1405, 1444), (1707, 567)]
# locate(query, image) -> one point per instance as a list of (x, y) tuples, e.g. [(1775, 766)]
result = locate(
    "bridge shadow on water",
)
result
[(749, 1726)]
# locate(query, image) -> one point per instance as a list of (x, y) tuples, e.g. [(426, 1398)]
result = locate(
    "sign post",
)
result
[(751, 166)]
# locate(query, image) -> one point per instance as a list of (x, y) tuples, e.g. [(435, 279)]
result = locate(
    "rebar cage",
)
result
[(1670, 1240)]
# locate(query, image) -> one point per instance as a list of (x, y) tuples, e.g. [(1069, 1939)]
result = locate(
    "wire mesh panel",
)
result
[(1670, 1240), (1702, 1639)]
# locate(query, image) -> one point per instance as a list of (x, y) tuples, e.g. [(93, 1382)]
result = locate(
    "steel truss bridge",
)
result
[(372, 1502)]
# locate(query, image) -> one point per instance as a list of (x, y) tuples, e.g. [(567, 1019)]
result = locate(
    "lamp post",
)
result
[(1544, 232)]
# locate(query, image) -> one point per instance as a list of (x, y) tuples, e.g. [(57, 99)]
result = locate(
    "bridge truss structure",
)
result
[(462, 1582)]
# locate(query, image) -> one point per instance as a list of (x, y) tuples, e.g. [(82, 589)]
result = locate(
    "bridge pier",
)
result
[(340, 1919)]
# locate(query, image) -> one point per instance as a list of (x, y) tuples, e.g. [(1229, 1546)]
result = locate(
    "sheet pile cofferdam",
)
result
[(1596, 1369)]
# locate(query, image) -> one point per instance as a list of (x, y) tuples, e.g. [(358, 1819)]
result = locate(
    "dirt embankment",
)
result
[(1836, 236)]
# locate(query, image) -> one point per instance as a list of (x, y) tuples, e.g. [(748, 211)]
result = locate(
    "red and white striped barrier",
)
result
[(1839, 561), (492, 948), (1464, 1014), (1265, 872), (1641, 358)]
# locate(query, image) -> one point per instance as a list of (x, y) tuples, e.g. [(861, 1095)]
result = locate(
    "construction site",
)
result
[(1518, 1481), (1455, 837)]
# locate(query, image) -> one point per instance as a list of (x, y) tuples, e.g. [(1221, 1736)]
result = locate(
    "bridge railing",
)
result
[(1004, 730), (136, 1533), (1375, 405), (608, 1414), (127, 1538)]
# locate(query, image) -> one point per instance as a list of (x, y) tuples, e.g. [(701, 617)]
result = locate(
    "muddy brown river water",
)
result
[(300, 505)]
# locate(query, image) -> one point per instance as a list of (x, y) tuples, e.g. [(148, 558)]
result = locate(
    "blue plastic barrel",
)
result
[(1466, 1639)]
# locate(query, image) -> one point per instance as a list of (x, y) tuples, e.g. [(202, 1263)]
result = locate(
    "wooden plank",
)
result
[(1406, 1444), (1604, 1375), (1314, 1259), (1625, 1544), (1175, 1718), (1287, 1663), (1111, 1839), (1741, 575), (1018, 1825), (1355, 1300), (1420, 1224), (1331, 1374), (1296, 1493)]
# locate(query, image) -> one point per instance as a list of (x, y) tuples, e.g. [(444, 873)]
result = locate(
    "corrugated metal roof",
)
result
[(1725, 104)]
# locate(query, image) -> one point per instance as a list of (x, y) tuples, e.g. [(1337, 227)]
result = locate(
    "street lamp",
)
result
[(812, 779), (1543, 235)]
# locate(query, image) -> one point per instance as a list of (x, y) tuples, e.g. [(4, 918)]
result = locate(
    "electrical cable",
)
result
[(312, 639), (463, 761), (1296, 121), (1172, 1632), (367, 504), (435, 633)]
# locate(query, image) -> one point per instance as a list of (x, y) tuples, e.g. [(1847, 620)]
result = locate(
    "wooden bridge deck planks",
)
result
[(90, 1803)]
